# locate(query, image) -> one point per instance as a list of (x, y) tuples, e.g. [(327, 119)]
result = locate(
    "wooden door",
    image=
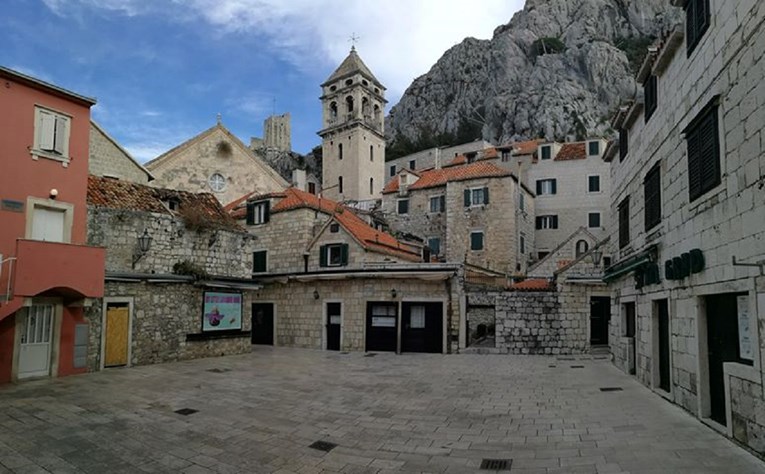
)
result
[(382, 326), (422, 329), (664, 367), (117, 335), (263, 324), (600, 315)]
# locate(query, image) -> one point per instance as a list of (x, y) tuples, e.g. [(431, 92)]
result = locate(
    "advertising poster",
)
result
[(221, 311)]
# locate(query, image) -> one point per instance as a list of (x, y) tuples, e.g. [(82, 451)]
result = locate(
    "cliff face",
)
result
[(558, 69)]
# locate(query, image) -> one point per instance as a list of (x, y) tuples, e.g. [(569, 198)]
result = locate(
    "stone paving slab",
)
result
[(259, 413)]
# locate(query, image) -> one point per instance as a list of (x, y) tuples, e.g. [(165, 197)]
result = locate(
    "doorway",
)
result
[(382, 326), (422, 329), (263, 324), (722, 346), (334, 325), (600, 316), (662, 324), (116, 334), (35, 343), (630, 329)]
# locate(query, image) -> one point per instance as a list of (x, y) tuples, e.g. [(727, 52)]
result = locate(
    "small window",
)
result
[(340, 151), (697, 21), (624, 222), (412, 164), (51, 135), (434, 243), (650, 95), (348, 82), (417, 317), (593, 220), (173, 204), (624, 136), (593, 148), (312, 188), (334, 228), (547, 222), (505, 156), (546, 152), (581, 248), (522, 201), (392, 170), (476, 240), (606, 262), (471, 157), (437, 204), (523, 244), (703, 153), (593, 184), (333, 255), (260, 261), (258, 212), (371, 185), (403, 206), (547, 186), (476, 197), (217, 182), (340, 184), (652, 194), (371, 153)]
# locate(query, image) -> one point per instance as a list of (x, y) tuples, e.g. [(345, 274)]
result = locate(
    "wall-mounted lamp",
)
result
[(596, 255), (53, 193), (393, 293), (144, 244), (316, 294)]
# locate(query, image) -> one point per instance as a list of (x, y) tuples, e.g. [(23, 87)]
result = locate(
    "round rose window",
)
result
[(217, 182)]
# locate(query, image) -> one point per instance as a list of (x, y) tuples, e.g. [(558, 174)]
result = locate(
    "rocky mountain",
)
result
[(557, 69)]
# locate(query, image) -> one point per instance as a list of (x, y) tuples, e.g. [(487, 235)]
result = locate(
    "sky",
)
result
[(162, 70)]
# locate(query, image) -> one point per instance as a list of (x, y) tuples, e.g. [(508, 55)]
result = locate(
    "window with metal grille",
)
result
[(650, 94), (624, 136), (696, 22), (703, 152), (652, 192), (624, 222)]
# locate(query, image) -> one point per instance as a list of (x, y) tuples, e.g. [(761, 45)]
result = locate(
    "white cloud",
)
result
[(399, 39)]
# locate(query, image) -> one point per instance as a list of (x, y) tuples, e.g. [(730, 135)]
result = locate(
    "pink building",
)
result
[(47, 273)]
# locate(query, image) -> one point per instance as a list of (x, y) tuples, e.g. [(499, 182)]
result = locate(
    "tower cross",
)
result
[(354, 39)]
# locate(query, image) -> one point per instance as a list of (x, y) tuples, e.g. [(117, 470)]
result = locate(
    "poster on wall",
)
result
[(221, 311), (744, 329)]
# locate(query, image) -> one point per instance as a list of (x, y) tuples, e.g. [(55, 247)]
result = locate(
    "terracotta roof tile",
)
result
[(572, 151), (116, 194), (458, 160), (237, 208), (439, 177), (527, 147), (533, 284)]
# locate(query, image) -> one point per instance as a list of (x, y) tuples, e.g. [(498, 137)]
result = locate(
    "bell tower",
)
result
[(353, 133)]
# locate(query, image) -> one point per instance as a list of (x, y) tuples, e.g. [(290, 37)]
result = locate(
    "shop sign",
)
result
[(221, 311), (681, 267)]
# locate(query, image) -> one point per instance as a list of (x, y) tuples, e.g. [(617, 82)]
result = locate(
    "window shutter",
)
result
[(323, 256), (344, 254), (47, 131), (554, 222), (267, 212), (554, 186), (442, 202), (709, 166), (250, 213), (486, 195), (690, 23), (60, 138), (539, 222), (539, 187), (259, 261), (467, 197)]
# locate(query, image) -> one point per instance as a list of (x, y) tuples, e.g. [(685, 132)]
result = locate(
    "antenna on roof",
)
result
[(354, 39), (218, 118), (273, 106)]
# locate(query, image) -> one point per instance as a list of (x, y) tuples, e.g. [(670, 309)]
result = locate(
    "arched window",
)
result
[(377, 113), (371, 185), (371, 153), (581, 248), (349, 104), (333, 111), (340, 151), (340, 184), (365, 107)]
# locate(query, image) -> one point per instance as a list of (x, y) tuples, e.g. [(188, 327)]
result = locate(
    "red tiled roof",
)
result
[(458, 160), (439, 177), (116, 194), (490, 153), (533, 284), (572, 151), (527, 147), (237, 208)]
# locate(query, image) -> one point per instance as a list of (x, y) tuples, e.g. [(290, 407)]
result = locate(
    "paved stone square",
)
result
[(259, 413)]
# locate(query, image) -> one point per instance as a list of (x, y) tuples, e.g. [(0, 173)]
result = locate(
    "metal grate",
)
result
[(325, 446), (496, 464), (610, 389), (577, 366), (186, 411)]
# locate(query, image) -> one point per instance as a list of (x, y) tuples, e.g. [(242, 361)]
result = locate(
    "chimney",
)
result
[(299, 179)]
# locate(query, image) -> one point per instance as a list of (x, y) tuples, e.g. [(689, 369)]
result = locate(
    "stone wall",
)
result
[(300, 317), (723, 223), (419, 220), (163, 315), (219, 252), (109, 159), (277, 132)]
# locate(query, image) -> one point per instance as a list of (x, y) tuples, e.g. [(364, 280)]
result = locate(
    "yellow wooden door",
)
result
[(117, 328)]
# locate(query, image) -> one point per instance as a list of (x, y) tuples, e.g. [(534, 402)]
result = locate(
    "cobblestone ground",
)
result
[(259, 413)]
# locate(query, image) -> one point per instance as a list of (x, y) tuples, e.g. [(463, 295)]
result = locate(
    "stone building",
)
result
[(168, 253), (109, 159), (572, 186), (277, 132), (688, 203), (477, 214), (353, 133), (432, 157), (218, 162), (331, 281)]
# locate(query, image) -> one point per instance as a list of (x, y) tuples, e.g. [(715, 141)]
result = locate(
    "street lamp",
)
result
[(144, 244), (596, 255)]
